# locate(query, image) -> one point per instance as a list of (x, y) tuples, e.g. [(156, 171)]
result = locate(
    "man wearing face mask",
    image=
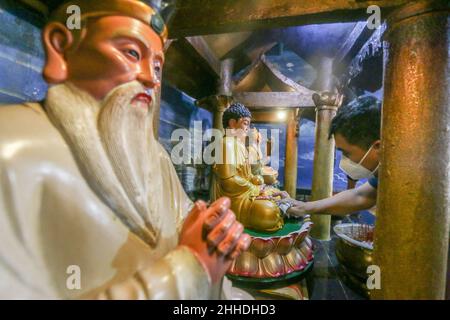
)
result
[(356, 129)]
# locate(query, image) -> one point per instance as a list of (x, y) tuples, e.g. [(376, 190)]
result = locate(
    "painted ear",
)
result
[(56, 39)]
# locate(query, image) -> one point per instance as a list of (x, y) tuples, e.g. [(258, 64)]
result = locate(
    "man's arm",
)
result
[(349, 201)]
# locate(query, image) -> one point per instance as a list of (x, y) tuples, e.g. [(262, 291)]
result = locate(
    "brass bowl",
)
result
[(354, 258), (353, 255)]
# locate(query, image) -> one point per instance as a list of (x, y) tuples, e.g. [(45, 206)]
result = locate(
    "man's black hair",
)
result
[(359, 121), (236, 111)]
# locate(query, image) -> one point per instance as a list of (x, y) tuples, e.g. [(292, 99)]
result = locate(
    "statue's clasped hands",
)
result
[(215, 237)]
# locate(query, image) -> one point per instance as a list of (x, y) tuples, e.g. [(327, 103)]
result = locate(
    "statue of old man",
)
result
[(90, 205)]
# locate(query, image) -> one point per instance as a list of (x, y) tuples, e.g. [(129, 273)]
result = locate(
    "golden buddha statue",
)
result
[(259, 163), (233, 176), (280, 248)]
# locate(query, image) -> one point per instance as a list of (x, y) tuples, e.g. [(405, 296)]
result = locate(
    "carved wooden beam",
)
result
[(262, 116), (352, 41), (285, 80), (249, 51), (276, 99), (186, 70), (37, 5), (273, 77), (267, 117), (202, 48), (373, 47), (200, 17)]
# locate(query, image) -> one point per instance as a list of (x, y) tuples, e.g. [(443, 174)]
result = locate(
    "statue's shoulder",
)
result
[(25, 126), (34, 108), (18, 117)]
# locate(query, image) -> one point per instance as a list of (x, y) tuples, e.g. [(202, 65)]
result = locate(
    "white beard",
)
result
[(115, 149)]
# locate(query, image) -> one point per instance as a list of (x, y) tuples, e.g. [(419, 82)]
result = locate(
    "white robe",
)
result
[(50, 220)]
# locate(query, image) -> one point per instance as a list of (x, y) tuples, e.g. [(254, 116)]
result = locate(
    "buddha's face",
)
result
[(239, 128), (241, 124), (110, 51)]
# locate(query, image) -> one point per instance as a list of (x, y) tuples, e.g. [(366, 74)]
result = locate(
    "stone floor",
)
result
[(325, 280)]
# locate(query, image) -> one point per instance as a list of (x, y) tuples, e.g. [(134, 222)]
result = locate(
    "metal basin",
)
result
[(354, 250)]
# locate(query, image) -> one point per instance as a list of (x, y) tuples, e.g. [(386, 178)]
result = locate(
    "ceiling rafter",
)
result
[(200, 17)]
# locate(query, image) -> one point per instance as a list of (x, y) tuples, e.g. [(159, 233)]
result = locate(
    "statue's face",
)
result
[(242, 124), (105, 74), (239, 128), (115, 50)]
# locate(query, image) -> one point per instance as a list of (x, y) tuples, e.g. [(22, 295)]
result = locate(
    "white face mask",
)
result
[(354, 170)]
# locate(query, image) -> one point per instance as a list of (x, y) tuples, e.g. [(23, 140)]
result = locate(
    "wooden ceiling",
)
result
[(203, 32)]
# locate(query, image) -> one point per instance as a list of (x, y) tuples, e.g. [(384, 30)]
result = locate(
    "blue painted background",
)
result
[(21, 54), (22, 59), (306, 141)]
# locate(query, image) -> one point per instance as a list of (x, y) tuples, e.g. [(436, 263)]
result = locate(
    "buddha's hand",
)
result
[(257, 180), (263, 193), (215, 237)]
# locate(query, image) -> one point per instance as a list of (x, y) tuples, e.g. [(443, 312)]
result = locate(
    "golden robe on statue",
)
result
[(233, 178)]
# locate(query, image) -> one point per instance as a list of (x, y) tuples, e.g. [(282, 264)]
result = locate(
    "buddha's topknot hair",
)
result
[(236, 111)]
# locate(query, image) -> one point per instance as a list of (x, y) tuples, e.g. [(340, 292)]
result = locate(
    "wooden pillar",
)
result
[(225, 89), (412, 227), (322, 185), (217, 116), (223, 100), (220, 102), (225, 86), (291, 161)]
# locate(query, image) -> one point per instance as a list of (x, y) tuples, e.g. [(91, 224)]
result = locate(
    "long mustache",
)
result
[(92, 143), (126, 131)]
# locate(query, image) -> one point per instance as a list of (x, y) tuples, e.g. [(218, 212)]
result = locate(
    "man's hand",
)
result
[(282, 195), (215, 237), (298, 210)]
